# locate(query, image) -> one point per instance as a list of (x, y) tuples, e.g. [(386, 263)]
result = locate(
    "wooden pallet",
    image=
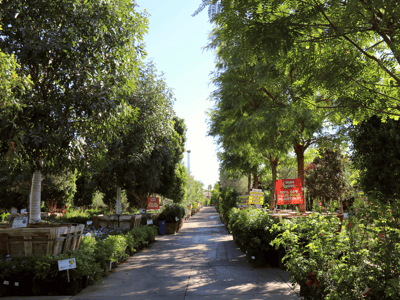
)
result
[(117, 221), (40, 239)]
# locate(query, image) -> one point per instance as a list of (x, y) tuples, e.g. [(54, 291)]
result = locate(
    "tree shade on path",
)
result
[(201, 261)]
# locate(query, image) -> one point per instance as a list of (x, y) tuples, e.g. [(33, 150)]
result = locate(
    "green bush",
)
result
[(171, 211), (363, 258), (252, 227), (118, 244), (228, 198)]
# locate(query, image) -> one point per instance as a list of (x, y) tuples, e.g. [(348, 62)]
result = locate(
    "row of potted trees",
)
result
[(100, 250), (251, 230)]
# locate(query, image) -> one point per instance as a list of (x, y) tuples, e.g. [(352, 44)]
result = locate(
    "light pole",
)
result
[(188, 159)]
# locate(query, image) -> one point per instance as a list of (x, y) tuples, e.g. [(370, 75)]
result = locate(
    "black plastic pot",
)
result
[(71, 288), (256, 258), (272, 258), (85, 282)]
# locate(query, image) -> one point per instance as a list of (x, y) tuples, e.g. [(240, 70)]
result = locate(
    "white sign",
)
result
[(16, 284), (66, 264), (6, 282), (256, 190), (142, 211), (23, 211), (176, 219), (89, 222), (149, 222), (20, 222)]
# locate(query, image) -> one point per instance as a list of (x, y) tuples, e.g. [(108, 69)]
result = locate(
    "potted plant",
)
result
[(173, 215)]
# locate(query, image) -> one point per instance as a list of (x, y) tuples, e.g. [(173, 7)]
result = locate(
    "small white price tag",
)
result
[(176, 219), (253, 257), (149, 222), (23, 211), (16, 284), (66, 264), (6, 282), (89, 222)]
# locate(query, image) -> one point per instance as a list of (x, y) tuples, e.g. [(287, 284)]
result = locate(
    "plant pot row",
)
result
[(172, 228), (53, 287), (37, 287), (259, 258)]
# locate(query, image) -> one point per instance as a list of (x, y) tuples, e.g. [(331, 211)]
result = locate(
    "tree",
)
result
[(79, 56), (376, 149), (271, 84), (194, 189), (348, 49), (325, 179), (144, 158), (174, 180)]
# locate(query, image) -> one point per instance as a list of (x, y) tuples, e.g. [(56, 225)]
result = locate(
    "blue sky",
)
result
[(174, 42)]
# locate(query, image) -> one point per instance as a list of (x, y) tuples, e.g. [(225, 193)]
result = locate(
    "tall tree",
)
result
[(79, 55), (376, 152), (143, 158), (349, 49)]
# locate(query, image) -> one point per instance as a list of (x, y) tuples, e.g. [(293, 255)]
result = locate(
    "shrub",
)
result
[(171, 211), (362, 259), (252, 227), (227, 199)]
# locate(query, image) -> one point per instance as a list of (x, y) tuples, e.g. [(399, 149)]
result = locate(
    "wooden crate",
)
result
[(40, 239), (117, 221)]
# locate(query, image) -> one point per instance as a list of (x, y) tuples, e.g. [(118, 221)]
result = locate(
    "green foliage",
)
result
[(79, 55), (376, 154), (117, 244), (194, 189), (228, 198), (171, 211), (324, 176), (252, 227), (332, 265), (355, 71), (59, 188)]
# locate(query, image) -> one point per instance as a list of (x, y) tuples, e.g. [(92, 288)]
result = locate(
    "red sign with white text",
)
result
[(288, 191), (152, 203)]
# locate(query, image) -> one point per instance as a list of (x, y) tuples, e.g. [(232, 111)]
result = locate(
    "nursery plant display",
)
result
[(99, 251), (361, 260)]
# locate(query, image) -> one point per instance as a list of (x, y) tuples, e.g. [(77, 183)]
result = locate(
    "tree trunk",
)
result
[(249, 184), (255, 181), (35, 201), (299, 149), (118, 200), (274, 165)]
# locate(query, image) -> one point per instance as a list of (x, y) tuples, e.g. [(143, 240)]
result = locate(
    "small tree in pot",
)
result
[(173, 214)]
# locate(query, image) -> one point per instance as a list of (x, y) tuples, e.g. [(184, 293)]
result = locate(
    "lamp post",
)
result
[(188, 159)]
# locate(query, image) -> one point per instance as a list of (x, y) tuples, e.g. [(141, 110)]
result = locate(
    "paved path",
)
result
[(201, 261)]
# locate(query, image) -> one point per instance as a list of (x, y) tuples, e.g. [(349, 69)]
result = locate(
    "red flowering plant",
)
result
[(361, 261)]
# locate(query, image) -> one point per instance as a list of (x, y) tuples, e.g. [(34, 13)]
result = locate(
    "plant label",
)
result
[(149, 222), (176, 219), (253, 257), (142, 211), (89, 222), (16, 284), (6, 282), (66, 264), (23, 211)]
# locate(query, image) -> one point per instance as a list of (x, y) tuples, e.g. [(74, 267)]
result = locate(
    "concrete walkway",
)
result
[(201, 261)]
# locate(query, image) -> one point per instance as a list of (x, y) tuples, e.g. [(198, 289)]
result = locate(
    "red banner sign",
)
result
[(153, 203), (288, 191)]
